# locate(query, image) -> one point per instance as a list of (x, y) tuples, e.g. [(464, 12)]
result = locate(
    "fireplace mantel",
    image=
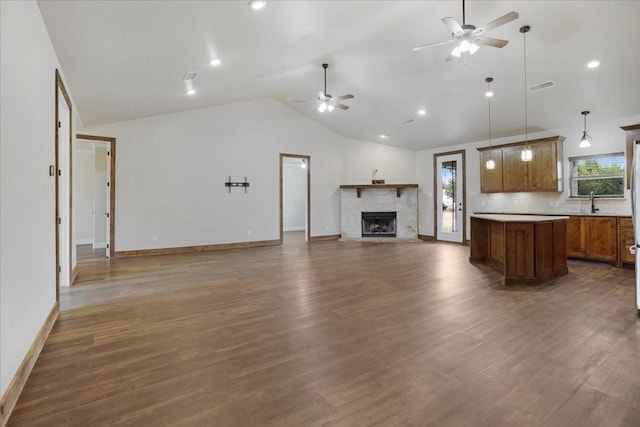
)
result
[(360, 187)]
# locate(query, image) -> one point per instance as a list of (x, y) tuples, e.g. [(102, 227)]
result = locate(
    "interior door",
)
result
[(450, 197)]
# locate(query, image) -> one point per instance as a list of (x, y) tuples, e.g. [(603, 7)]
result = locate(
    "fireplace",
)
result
[(378, 224)]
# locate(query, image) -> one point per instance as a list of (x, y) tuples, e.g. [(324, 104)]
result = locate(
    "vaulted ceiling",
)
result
[(126, 59)]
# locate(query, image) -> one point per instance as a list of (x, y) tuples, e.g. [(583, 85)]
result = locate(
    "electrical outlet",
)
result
[(326, 227), (248, 232), (154, 238)]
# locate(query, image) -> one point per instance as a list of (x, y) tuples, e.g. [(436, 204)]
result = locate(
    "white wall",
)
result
[(83, 181), (27, 192), (607, 138), (100, 196), (294, 196), (171, 171)]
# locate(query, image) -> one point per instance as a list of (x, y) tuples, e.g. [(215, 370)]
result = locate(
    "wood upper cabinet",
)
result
[(491, 179), (543, 169), (543, 173), (515, 172)]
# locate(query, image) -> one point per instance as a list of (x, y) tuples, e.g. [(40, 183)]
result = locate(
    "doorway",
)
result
[(449, 209), (95, 228), (295, 197), (62, 172)]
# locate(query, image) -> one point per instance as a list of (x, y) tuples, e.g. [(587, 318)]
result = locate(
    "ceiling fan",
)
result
[(468, 37), (326, 102)]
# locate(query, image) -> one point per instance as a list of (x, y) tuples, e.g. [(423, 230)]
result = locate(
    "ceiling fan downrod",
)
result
[(325, 66)]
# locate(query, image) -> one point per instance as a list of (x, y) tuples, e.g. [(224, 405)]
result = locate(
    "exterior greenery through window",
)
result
[(603, 174)]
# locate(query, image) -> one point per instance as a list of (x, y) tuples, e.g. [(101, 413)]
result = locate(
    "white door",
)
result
[(108, 203), (449, 198)]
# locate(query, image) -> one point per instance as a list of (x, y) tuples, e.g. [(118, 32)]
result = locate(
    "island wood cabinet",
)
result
[(542, 173), (525, 249), (593, 237)]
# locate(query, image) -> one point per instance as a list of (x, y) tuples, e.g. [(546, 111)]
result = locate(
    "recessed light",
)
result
[(593, 64), (422, 112), (257, 4), (215, 62), (191, 92), (383, 136)]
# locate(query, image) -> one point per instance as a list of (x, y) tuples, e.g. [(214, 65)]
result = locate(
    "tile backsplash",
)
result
[(548, 203)]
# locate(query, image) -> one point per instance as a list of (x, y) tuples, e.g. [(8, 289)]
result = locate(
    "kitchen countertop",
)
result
[(518, 218), (556, 214)]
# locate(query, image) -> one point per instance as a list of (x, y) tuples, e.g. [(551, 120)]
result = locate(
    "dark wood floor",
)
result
[(336, 333)]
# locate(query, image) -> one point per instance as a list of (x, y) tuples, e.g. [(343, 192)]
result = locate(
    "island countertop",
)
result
[(518, 218)]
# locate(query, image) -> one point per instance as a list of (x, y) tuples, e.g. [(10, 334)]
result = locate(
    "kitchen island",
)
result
[(526, 249)]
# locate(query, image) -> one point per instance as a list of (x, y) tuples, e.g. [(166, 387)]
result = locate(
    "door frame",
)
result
[(464, 193), (308, 169), (112, 186), (60, 88)]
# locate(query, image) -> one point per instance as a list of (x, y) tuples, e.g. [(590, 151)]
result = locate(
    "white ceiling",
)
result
[(126, 59)]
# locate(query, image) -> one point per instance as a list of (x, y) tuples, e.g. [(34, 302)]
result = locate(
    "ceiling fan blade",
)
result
[(453, 25), (349, 96), (489, 41), (341, 106), (417, 48), (511, 16), (303, 100), (451, 58)]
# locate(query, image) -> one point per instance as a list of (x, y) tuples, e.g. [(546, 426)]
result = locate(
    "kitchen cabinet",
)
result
[(491, 179), (593, 237), (600, 238), (575, 237), (542, 173), (626, 238), (515, 172), (525, 249)]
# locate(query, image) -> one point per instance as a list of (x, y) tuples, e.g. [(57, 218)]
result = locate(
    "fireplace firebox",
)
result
[(378, 224)]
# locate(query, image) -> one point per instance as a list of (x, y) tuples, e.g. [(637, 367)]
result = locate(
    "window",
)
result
[(602, 174)]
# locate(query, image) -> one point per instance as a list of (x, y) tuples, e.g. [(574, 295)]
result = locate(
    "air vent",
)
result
[(191, 75), (408, 121), (541, 86)]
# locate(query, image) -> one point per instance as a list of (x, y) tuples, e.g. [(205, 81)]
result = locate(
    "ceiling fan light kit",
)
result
[(327, 103), (469, 38)]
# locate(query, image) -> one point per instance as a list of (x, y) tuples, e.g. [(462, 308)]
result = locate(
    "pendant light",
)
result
[(490, 164), (585, 141), (526, 155)]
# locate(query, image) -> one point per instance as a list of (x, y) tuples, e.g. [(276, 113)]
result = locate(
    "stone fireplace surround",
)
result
[(399, 198)]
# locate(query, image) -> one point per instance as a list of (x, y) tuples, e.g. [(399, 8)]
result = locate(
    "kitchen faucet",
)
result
[(593, 206)]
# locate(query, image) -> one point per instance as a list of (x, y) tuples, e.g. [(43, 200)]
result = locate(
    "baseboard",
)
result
[(84, 241), (427, 238), (293, 229), (194, 249), (100, 245), (74, 275), (10, 397), (324, 238)]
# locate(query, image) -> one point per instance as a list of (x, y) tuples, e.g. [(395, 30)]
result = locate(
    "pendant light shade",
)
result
[(585, 141), (526, 155), (490, 164)]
